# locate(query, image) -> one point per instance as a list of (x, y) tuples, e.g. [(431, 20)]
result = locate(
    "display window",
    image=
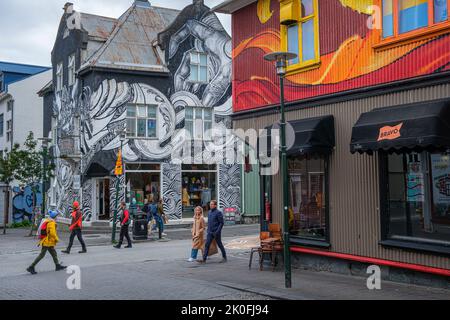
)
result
[(143, 182), (199, 187), (307, 198), (418, 197)]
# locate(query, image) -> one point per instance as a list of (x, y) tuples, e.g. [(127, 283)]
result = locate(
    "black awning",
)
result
[(102, 164), (412, 127), (312, 136)]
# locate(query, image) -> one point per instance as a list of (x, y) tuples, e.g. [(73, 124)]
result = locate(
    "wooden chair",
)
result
[(271, 243)]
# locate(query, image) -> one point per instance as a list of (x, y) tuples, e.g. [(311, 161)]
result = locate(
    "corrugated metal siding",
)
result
[(251, 192), (354, 187)]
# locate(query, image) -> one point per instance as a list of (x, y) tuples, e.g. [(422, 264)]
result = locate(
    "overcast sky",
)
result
[(28, 28)]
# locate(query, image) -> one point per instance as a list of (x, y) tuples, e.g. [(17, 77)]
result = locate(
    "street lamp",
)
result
[(122, 137), (45, 141), (281, 59)]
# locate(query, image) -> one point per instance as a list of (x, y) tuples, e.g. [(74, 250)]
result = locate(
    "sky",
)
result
[(28, 28)]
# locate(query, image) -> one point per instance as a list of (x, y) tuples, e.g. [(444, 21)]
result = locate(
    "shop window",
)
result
[(59, 77), (407, 19), (71, 70), (418, 198), (199, 67), (142, 121), (307, 198), (300, 32), (199, 187), (198, 122)]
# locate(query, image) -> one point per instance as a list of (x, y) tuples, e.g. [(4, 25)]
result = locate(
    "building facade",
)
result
[(141, 84), (373, 74)]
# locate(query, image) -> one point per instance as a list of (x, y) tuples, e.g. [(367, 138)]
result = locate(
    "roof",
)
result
[(231, 6), (4, 95), (97, 27), (11, 67), (46, 89), (130, 45)]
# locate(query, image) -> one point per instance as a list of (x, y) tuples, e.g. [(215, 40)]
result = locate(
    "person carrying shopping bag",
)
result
[(48, 237), (198, 233)]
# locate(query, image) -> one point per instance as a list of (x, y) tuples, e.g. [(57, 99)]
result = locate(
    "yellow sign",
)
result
[(119, 165)]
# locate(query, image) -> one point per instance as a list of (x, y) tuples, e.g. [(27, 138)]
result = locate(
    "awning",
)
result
[(102, 164), (306, 137), (411, 127)]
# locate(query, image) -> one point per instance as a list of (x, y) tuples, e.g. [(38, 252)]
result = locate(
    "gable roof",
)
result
[(130, 45), (26, 69), (97, 27)]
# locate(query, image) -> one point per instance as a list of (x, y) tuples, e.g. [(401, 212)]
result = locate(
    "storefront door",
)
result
[(103, 199)]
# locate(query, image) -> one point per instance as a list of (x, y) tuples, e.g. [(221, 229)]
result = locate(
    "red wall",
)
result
[(348, 57)]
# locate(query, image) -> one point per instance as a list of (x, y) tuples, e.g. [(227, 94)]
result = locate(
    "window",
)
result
[(10, 105), (199, 67), (307, 202), (418, 198), (198, 122), (300, 32), (403, 16), (59, 77), (2, 82), (8, 124), (141, 121), (8, 136), (1, 124), (71, 70)]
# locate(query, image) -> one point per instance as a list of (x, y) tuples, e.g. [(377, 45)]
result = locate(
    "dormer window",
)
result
[(199, 67)]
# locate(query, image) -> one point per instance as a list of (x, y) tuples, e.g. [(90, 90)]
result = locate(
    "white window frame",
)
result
[(138, 117), (59, 77), (197, 64), (194, 133), (71, 70)]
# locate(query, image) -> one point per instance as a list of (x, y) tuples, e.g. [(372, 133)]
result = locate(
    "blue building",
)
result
[(12, 72)]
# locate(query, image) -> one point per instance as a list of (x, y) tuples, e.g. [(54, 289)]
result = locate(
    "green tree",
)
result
[(9, 164), (31, 170)]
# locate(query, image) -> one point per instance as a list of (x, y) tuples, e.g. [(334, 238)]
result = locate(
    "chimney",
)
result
[(68, 8)]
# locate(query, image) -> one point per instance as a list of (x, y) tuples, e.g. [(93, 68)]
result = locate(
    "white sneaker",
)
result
[(164, 234), (190, 260)]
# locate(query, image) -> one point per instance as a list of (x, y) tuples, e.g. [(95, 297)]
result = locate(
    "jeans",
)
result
[(76, 232), (124, 233), (209, 239), (194, 253), (159, 224), (44, 250)]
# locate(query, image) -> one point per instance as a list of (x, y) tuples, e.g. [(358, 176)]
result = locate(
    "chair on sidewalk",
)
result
[(271, 243)]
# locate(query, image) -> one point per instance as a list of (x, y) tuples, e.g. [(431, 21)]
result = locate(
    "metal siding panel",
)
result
[(354, 186)]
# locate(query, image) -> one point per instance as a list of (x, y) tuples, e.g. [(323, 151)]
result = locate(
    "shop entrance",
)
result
[(199, 187), (143, 182), (102, 199)]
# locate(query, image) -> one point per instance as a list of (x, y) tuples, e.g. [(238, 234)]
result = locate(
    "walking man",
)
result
[(48, 240), (215, 225), (124, 224), (75, 229)]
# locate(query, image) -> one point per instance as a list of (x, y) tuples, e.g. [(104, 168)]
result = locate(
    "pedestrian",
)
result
[(159, 224), (198, 233), (215, 225), (75, 229), (48, 240), (146, 210), (163, 216), (124, 224)]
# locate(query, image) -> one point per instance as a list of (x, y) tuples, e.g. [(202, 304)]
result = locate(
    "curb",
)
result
[(261, 291)]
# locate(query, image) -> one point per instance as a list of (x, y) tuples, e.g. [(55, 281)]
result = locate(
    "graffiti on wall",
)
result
[(23, 200)]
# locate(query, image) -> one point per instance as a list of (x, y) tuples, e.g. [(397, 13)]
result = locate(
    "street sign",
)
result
[(119, 165)]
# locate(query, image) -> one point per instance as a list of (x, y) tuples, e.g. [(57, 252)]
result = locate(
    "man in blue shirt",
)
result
[(215, 225)]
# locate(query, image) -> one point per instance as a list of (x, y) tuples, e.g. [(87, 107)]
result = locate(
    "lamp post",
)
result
[(45, 142), (123, 137), (281, 59)]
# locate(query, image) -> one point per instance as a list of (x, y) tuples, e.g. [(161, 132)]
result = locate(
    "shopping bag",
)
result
[(213, 248)]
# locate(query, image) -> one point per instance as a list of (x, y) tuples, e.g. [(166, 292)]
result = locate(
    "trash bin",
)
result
[(140, 228)]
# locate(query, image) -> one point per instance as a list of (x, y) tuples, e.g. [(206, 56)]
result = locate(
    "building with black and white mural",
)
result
[(152, 83)]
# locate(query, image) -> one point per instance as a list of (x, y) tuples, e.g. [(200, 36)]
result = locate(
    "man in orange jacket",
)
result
[(75, 228)]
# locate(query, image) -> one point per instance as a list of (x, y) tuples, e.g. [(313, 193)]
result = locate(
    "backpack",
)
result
[(42, 230)]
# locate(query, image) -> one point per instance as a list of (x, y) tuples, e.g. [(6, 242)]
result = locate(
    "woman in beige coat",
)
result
[(198, 233)]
